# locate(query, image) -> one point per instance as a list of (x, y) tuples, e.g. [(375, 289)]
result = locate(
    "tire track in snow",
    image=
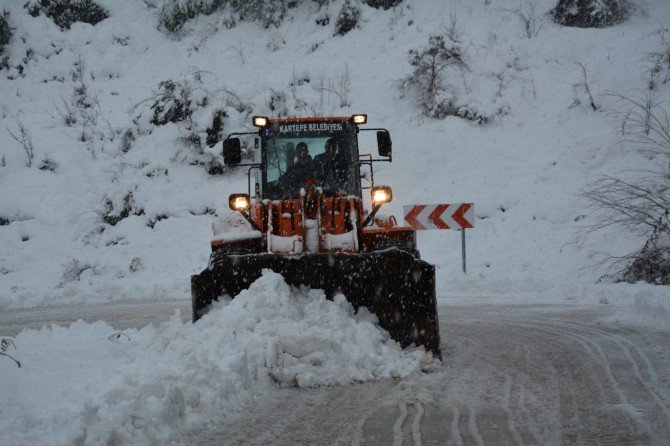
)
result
[(358, 433), (651, 370), (397, 426), (456, 439), (649, 387), (580, 383), (574, 377), (416, 424), (619, 340), (589, 346), (618, 361), (415, 427), (510, 419), (472, 426)]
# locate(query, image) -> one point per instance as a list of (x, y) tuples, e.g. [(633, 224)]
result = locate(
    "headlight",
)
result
[(239, 202), (381, 195), (260, 121), (359, 119)]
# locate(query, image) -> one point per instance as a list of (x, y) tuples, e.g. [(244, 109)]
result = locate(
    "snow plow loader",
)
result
[(305, 219)]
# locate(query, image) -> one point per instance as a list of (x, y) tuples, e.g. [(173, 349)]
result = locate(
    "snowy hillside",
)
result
[(117, 204)]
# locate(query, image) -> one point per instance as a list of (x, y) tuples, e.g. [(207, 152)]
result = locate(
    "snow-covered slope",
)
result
[(84, 96)]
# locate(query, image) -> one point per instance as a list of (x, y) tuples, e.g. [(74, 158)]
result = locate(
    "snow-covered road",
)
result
[(511, 375), (131, 314)]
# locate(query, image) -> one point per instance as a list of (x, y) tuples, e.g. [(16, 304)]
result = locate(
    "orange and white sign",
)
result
[(440, 216)]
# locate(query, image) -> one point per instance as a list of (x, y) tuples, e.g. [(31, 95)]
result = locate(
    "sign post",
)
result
[(463, 249), (460, 216)]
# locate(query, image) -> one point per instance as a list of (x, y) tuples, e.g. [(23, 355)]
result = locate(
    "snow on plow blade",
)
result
[(393, 284)]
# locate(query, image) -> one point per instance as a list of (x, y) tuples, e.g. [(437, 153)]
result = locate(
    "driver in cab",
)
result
[(301, 169), (328, 166)]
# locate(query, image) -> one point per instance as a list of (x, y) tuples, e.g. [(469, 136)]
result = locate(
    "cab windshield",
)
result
[(299, 154)]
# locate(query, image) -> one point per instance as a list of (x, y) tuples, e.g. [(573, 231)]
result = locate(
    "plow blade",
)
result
[(393, 284)]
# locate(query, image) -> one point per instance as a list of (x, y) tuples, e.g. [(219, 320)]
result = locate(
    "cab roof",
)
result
[(290, 120)]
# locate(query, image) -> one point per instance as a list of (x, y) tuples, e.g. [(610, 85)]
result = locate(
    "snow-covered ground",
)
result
[(84, 97), (89, 383), (255, 374)]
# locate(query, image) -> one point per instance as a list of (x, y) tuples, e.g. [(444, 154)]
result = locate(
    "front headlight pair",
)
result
[(380, 195)]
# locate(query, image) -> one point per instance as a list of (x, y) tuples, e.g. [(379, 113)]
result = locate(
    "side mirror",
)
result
[(384, 143), (232, 151)]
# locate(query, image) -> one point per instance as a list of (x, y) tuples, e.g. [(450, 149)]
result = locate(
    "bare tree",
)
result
[(527, 14), (453, 31), (584, 83), (340, 87), (24, 139), (238, 47)]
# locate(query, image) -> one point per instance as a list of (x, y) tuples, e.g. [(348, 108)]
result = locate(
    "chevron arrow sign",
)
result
[(440, 216)]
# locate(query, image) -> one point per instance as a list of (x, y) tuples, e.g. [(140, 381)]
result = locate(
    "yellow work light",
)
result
[(381, 195), (359, 119), (239, 202), (260, 121)]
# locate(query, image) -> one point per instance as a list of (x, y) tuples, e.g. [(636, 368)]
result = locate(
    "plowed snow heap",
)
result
[(307, 222)]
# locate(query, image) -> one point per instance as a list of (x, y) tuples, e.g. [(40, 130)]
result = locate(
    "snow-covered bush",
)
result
[(215, 131), (347, 19), (660, 70), (651, 263), (127, 140), (175, 13), (65, 12), (383, 4), (47, 164), (278, 103), (275, 41), (444, 83), (193, 152), (590, 13), (136, 265), (325, 94), (73, 269), (176, 101), (198, 113), (173, 102), (266, 12), (429, 77), (5, 33), (640, 204), (116, 210), (81, 108)]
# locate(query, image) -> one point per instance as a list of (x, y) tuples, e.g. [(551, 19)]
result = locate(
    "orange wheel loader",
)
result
[(307, 221)]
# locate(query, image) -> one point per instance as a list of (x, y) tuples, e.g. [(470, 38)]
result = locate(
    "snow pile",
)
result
[(649, 309), (77, 386)]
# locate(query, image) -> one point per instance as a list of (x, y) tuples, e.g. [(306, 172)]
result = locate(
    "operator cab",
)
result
[(316, 154), (299, 155)]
